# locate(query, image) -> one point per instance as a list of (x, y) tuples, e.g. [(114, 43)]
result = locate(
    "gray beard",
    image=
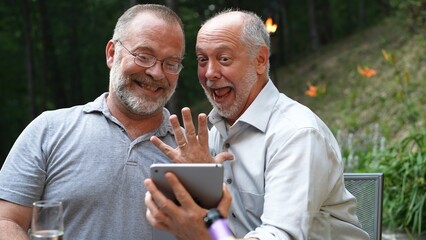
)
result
[(140, 105), (241, 97)]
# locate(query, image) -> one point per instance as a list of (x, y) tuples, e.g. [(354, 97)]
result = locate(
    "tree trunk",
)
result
[(235, 3), (313, 27), (326, 24), (384, 5), (74, 95), (173, 105), (29, 59), (351, 18), (51, 78), (285, 35), (361, 14), (132, 3), (173, 4), (44, 64)]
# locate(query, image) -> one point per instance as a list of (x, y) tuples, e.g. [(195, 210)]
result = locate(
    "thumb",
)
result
[(225, 202), (223, 156)]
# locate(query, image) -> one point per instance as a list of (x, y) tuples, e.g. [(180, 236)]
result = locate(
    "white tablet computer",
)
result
[(203, 181)]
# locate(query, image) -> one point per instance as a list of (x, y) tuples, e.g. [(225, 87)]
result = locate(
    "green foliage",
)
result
[(404, 164), (75, 46), (189, 89), (411, 12), (379, 120), (404, 167)]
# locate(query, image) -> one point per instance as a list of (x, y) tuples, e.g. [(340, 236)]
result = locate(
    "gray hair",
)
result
[(162, 12), (254, 33)]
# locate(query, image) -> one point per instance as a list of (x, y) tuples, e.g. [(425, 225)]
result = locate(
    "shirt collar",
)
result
[(259, 111), (99, 105)]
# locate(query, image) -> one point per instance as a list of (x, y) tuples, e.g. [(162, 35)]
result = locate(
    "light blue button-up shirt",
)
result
[(286, 162)]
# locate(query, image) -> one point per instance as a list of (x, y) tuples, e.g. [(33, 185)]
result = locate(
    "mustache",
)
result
[(147, 80), (215, 84)]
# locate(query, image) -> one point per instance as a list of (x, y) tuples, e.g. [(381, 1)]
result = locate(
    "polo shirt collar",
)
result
[(100, 105)]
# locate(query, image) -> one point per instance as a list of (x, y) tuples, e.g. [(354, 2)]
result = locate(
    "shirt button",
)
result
[(228, 181), (227, 145), (233, 215)]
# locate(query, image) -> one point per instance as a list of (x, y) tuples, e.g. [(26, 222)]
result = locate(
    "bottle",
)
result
[(217, 225)]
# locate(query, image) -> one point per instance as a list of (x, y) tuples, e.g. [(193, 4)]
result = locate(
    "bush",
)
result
[(404, 197), (403, 162), (412, 12)]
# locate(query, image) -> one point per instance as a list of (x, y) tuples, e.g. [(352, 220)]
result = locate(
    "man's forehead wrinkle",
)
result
[(224, 37), (218, 32)]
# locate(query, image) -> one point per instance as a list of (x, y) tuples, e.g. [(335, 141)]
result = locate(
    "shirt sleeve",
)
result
[(23, 173)]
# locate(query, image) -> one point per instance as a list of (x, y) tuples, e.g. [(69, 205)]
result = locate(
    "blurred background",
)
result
[(360, 65), (54, 51)]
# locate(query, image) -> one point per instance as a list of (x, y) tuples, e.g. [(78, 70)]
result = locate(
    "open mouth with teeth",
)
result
[(220, 94), (147, 87)]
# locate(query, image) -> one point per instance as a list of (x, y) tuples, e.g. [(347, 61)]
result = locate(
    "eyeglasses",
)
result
[(172, 66)]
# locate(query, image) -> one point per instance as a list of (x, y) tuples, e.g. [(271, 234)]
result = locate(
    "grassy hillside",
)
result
[(379, 121), (393, 100)]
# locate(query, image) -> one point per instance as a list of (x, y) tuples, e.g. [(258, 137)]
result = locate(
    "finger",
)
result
[(166, 149), (188, 124), (225, 202), (151, 219), (162, 203), (181, 194), (155, 216), (203, 132), (223, 156), (177, 129)]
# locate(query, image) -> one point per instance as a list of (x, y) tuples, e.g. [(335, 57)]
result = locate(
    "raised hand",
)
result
[(184, 221), (192, 148)]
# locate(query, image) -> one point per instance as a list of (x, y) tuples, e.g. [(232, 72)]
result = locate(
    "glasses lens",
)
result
[(145, 60), (173, 67), (169, 65)]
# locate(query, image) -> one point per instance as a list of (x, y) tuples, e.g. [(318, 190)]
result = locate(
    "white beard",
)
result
[(241, 96), (138, 104)]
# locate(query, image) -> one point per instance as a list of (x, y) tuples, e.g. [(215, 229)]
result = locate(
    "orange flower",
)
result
[(366, 71), (312, 91)]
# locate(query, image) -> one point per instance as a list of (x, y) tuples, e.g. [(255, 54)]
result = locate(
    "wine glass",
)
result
[(47, 221), (316, 226)]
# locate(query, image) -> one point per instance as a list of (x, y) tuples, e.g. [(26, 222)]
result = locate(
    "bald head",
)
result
[(225, 18), (246, 24)]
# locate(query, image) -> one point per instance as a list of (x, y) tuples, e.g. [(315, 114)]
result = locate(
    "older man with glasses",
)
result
[(170, 65), (95, 157)]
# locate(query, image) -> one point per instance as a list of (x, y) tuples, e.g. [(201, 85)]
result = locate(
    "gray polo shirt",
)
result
[(83, 157)]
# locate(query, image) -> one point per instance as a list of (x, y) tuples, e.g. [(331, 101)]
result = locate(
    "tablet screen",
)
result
[(203, 181)]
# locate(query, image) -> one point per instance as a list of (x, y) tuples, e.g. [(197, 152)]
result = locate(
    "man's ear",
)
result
[(109, 53), (262, 60)]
